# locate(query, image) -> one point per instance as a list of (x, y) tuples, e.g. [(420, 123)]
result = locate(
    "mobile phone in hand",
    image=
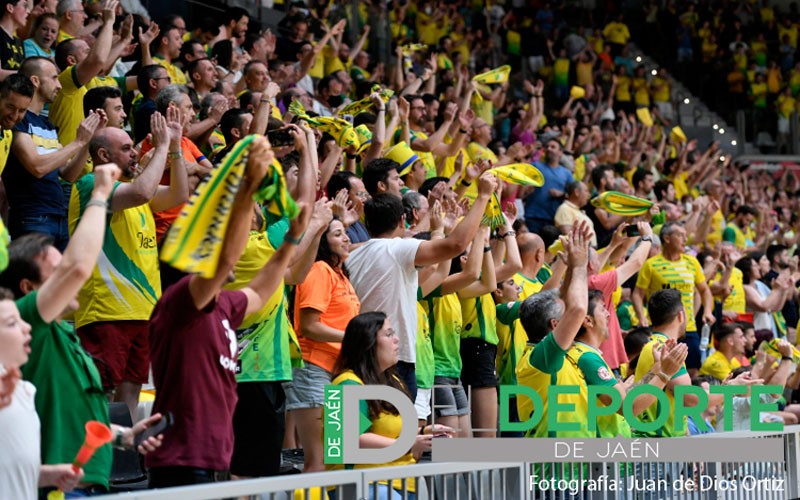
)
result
[(632, 230), (154, 430)]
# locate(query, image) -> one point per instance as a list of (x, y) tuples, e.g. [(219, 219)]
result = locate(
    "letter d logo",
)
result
[(353, 395)]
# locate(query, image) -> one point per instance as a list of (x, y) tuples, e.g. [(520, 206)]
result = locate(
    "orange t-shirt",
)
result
[(329, 292), (191, 154)]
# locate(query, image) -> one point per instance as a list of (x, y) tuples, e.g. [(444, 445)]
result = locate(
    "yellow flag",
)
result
[(194, 242), (622, 204), (523, 174), (493, 215), (497, 75)]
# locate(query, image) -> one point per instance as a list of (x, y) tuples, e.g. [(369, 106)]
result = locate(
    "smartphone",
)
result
[(163, 425), (280, 137), (632, 230)]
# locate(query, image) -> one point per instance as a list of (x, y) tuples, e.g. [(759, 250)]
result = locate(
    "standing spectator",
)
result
[(542, 204), (12, 53), (150, 80), (676, 270), (113, 326), (576, 195), (384, 269), (167, 52), (37, 161), (194, 348), (45, 31), (109, 101), (324, 303)]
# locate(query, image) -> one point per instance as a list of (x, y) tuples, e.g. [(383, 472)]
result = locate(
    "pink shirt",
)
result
[(613, 348)]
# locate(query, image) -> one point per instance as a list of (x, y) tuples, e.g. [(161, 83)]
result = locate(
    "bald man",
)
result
[(534, 272), (113, 327)]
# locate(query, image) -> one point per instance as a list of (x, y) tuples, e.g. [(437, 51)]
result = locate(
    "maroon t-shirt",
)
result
[(194, 368)]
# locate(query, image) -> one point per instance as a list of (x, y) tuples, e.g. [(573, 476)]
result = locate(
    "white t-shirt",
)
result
[(20, 445), (383, 274)]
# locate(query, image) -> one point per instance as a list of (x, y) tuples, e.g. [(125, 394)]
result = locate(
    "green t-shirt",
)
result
[(425, 360), (598, 373), (69, 392), (512, 340), (444, 318)]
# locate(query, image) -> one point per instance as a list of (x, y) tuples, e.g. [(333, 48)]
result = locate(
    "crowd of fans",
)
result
[(410, 264)]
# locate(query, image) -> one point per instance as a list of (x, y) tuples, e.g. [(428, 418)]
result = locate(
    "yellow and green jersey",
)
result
[(5, 147), (480, 318), (176, 75), (736, 300), (424, 365), (541, 367), (735, 235), (598, 373), (511, 342), (126, 283), (654, 410), (444, 320), (528, 286), (718, 366), (268, 346), (683, 275)]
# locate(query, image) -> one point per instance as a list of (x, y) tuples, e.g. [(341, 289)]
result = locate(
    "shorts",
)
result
[(307, 388), (258, 429), (450, 399), (694, 358), (478, 357), (121, 350), (423, 403)]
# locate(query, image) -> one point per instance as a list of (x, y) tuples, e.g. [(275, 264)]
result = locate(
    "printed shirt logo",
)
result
[(228, 362), (603, 373)]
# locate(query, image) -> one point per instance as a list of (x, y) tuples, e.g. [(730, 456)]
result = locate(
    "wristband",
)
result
[(118, 438), (663, 376), (174, 155), (352, 157), (266, 100), (787, 358), (291, 240), (465, 183), (97, 203), (381, 110), (462, 131), (509, 233), (487, 248)]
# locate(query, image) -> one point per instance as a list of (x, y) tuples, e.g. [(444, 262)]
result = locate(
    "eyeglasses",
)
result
[(167, 78)]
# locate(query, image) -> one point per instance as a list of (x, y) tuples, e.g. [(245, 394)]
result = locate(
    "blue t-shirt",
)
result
[(27, 195), (539, 204), (357, 233)]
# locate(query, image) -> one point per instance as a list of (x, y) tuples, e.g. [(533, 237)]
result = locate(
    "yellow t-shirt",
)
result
[(623, 89), (63, 35), (385, 424), (683, 275), (175, 73), (641, 92), (718, 366), (126, 283), (5, 147)]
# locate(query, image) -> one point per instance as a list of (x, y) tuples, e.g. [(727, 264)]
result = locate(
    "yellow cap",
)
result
[(403, 155), (645, 117), (577, 92)]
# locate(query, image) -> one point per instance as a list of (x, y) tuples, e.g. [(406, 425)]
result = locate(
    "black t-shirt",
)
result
[(11, 51)]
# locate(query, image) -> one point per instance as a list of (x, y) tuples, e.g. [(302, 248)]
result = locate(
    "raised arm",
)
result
[(178, 190), (203, 290), (576, 299), (25, 150), (81, 254), (431, 252), (95, 61)]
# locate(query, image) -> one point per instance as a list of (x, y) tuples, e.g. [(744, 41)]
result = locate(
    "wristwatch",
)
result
[(647, 238)]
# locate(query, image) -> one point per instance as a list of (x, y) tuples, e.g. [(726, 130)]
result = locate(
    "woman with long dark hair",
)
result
[(324, 303), (368, 357), (764, 302)]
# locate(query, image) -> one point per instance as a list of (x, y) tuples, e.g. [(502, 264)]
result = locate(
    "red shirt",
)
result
[(194, 357), (613, 348)]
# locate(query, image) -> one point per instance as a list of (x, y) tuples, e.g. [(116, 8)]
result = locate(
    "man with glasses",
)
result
[(430, 147), (150, 80), (71, 20), (11, 51)]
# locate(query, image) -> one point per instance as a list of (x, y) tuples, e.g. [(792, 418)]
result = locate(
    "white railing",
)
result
[(506, 481)]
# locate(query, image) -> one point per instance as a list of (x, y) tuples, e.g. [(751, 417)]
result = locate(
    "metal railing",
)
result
[(506, 481)]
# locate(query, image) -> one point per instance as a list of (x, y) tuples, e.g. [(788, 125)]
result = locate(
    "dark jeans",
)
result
[(408, 374), (167, 477), (51, 225)]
